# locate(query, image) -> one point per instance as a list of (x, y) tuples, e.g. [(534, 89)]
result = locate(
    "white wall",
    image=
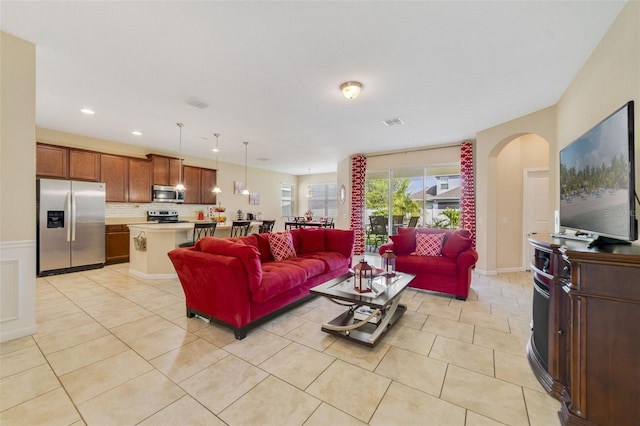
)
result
[(609, 79), (17, 186)]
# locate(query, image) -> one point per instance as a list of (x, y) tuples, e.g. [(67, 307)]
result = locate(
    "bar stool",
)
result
[(200, 230), (240, 228)]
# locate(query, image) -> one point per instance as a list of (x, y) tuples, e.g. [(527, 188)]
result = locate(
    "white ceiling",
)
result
[(270, 71)]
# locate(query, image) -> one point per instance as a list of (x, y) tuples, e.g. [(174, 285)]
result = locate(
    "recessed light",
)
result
[(137, 133), (87, 111)]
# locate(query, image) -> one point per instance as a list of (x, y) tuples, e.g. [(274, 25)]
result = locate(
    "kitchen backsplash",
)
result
[(140, 210)]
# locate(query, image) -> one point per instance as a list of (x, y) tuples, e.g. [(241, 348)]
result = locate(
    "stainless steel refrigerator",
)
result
[(70, 225)]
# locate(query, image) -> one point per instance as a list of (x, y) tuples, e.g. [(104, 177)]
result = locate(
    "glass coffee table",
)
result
[(369, 315)]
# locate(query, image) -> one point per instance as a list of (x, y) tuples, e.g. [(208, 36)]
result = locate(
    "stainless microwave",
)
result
[(166, 194)]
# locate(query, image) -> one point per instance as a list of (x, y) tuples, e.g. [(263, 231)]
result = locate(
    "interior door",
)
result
[(535, 209)]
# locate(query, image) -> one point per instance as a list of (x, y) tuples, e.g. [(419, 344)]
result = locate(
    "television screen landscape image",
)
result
[(597, 179)]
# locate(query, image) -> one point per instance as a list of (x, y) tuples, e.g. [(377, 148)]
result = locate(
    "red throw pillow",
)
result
[(404, 242), (429, 244), (281, 245), (457, 242)]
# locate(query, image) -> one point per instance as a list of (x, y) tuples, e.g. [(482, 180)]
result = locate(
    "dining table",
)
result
[(303, 224)]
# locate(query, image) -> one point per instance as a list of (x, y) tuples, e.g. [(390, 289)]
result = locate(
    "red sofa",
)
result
[(448, 273), (236, 282)]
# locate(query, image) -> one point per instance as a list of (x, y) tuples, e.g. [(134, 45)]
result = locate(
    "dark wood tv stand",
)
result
[(585, 344)]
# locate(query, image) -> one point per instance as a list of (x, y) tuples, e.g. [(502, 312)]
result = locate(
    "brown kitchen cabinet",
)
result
[(117, 244), (191, 177), (114, 171), (585, 340), (52, 161), (199, 182), (208, 182), (84, 165), (140, 175), (166, 170)]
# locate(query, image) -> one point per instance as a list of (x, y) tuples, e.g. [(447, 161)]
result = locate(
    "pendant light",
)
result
[(180, 186), (246, 182), (216, 188)]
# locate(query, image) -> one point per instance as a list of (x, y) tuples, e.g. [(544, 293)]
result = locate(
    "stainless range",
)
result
[(164, 216)]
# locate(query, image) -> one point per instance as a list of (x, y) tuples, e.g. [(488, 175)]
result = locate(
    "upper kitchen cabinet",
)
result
[(209, 179), (114, 172), (166, 170), (199, 183), (140, 173), (84, 165), (191, 179), (52, 161)]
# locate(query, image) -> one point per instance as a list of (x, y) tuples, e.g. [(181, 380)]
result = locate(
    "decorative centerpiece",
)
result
[(363, 276), (388, 260), (308, 215), (220, 217)]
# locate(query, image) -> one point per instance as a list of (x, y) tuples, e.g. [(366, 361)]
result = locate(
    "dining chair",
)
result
[(267, 226), (200, 230), (328, 223), (377, 232), (413, 222), (240, 228)]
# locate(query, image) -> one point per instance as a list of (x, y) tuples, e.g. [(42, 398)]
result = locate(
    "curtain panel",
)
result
[(467, 191), (358, 176)]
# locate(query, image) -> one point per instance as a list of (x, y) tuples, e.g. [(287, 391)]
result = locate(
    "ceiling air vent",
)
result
[(198, 103), (393, 122)]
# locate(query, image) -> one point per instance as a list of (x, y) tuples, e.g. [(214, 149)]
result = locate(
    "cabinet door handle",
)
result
[(560, 332)]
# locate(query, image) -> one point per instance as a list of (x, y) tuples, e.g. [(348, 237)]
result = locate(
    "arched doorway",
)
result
[(514, 156)]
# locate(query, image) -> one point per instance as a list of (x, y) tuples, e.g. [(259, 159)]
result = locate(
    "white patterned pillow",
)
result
[(429, 244), (281, 245)]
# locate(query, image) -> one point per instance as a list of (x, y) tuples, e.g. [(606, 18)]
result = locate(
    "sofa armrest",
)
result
[(467, 259), (387, 246), (465, 262), (214, 284)]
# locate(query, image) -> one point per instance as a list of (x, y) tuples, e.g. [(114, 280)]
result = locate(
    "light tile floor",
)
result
[(113, 349)]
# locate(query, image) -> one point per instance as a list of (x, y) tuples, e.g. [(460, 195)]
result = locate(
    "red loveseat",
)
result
[(236, 282), (448, 273)]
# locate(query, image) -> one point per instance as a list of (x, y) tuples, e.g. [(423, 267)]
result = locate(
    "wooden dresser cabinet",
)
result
[(585, 344)]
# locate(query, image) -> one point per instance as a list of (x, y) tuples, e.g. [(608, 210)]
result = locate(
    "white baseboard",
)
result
[(17, 289), (152, 276), (508, 270), (485, 272)]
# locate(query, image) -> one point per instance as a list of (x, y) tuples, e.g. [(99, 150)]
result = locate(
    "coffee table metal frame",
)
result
[(386, 304)]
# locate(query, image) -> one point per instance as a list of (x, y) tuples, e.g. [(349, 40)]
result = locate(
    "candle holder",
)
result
[(363, 276), (388, 260)]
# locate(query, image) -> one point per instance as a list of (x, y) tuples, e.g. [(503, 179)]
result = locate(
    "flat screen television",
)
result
[(597, 181)]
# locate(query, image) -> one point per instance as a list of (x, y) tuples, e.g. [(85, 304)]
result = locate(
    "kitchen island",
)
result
[(152, 262)]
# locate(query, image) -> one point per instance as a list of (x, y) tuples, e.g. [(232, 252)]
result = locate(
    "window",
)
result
[(286, 200), (324, 199), (444, 183)]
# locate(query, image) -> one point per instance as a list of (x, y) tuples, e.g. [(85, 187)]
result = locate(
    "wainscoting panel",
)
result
[(17, 289)]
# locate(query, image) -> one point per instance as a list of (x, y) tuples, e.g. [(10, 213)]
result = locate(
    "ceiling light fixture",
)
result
[(245, 191), (351, 89), (87, 111), (136, 133), (216, 188), (180, 186)]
